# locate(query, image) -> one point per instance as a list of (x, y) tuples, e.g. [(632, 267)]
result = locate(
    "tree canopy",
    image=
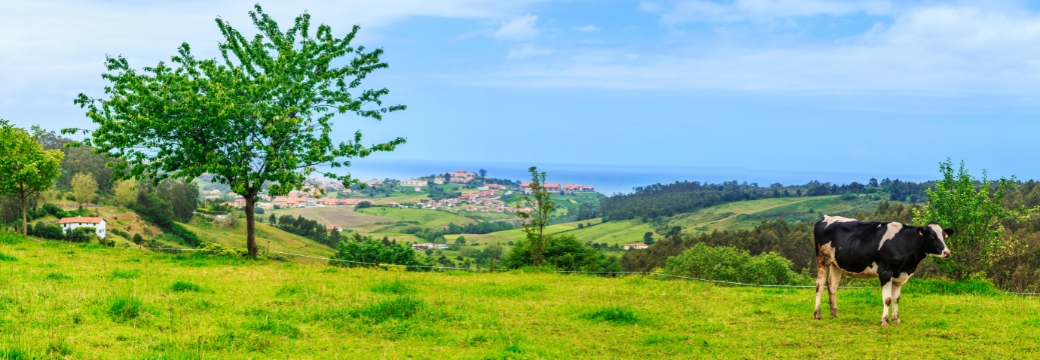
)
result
[(26, 168), (260, 115)]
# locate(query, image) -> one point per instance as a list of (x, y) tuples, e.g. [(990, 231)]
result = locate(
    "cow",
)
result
[(889, 251)]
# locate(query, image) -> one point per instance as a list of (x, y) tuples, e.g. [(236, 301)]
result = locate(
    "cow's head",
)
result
[(935, 239)]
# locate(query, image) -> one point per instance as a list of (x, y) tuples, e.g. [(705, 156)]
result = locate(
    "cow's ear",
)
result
[(948, 232), (920, 231)]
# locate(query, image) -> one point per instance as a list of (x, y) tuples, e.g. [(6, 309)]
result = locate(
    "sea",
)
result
[(608, 179)]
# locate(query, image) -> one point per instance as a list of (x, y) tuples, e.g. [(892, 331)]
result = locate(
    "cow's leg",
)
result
[(832, 288), (886, 296), (821, 281), (895, 301)]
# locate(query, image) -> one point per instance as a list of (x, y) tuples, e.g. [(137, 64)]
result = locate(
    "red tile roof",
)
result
[(80, 219)]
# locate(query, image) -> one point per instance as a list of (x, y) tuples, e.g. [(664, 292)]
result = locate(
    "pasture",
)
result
[(747, 214), (83, 301), (343, 216), (430, 218)]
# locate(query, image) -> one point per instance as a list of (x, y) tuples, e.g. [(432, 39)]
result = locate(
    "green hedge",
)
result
[(729, 264)]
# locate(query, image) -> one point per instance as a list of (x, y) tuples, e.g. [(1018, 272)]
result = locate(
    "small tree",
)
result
[(648, 238), (972, 208), (534, 221), (25, 167), (260, 116), (126, 192), (85, 188)]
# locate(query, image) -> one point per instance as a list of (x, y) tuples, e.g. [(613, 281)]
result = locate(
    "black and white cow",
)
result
[(888, 251)]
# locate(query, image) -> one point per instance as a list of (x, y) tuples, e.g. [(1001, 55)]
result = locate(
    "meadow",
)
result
[(747, 214), (61, 300)]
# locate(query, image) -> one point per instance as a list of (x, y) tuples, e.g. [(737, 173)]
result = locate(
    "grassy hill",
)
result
[(747, 214), (84, 301), (267, 238)]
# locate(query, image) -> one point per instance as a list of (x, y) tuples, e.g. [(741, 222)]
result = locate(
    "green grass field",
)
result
[(343, 216), (429, 218), (60, 300), (748, 214)]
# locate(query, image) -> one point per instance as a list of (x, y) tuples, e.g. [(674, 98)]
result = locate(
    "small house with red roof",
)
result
[(67, 224)]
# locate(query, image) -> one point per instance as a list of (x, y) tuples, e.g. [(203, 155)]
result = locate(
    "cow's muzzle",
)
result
[(945, 254)]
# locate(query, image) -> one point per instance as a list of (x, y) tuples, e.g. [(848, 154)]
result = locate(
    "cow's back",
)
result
[(849, 244)]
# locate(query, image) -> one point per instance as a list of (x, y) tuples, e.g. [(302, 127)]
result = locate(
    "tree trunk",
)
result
[(250, 226), (25, 217)]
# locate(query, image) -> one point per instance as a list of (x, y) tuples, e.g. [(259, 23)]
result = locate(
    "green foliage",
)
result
[(57, 276), (26, 167), (5, 257), (185, 286), (534, 221), (47, 231), (563, 252), (973, 208), (85, 187), (124, 274), (260, 117), (612, 314), (125, 308), (138, 239), (368, 250), (729, 264)]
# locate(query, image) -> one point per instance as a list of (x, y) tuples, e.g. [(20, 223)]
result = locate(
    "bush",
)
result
[(362, 205), (729, 264), (52, 232), (566, 253), (81, 234), (368, 250), (54, 210), (138, 239)]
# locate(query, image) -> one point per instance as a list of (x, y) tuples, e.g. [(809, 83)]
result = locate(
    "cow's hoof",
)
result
[(816, 315), (834, 313), (896, 320), (884, 323)]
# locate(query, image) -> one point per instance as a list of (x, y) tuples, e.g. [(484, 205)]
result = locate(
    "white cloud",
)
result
[(935, 51), (527, 51), (698, 10), (520, 28), (587, 28)]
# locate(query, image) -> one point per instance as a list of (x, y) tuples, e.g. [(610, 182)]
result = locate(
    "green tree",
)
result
[(85, 188), (534, 221), (126, 192), (273, 221), (260, 116), (26, 168), (648, 238), (973, 209)]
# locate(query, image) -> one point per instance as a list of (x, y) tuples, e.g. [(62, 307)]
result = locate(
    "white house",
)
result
[(67, 224), (636, 246), (413, 182)]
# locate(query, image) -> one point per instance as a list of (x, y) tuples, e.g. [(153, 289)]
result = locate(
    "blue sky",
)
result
[(864, 87)]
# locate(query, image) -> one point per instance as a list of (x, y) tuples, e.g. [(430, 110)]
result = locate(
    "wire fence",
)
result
[(433, 267)]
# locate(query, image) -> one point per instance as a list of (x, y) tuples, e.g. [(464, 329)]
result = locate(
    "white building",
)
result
[(413, 182), (636, 246), (67, 224)]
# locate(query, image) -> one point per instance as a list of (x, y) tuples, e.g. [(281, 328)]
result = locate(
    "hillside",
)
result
[(84, 301), (746, 214), (267, 238)]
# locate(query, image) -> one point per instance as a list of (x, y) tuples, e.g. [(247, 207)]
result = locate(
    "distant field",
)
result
[(61, 300), (748, 214), (429, 218), (343, 216)]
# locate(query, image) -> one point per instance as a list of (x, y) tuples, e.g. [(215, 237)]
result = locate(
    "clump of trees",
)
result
[(307, 228), (365, 249), (563, 252)]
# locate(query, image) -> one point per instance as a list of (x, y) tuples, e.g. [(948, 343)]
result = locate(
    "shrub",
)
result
[(125, 308), (729, 264), (184, 286), (613, 314), (81, 234), (53, 232), (564, 252), (54, 210), (138, 239), (368, 250)]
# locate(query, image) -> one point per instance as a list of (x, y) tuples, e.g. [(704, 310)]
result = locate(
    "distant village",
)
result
[(485, 198)]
